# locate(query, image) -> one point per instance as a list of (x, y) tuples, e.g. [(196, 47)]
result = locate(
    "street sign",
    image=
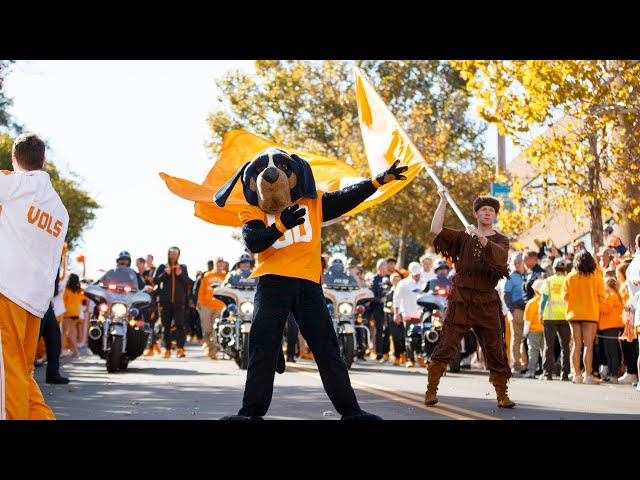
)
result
[(501, 191)]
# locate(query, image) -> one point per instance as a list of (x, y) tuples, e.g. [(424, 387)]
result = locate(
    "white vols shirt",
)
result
[(33, 226), (405, 298)]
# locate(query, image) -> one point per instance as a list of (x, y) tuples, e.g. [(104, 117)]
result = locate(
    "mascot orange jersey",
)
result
[(297, 252)]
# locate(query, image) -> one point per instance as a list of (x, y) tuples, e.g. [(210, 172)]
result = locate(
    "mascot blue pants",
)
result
[(306, 301), (282, 224)]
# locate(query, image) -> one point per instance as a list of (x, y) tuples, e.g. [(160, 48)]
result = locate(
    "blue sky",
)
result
[(117, 124)]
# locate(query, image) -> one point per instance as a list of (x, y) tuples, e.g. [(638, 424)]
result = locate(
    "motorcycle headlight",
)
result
[(246, 308), (345, 308), (119, 309), (437, 323)]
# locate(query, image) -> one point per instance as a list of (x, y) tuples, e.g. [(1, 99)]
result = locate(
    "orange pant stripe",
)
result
[(3, 408)]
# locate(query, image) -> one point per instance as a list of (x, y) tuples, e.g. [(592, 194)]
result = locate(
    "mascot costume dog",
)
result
[(282, 225)]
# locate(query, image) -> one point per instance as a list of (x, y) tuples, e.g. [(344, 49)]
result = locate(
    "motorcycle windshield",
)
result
[(240, 279), (120, 278), (333, 280)]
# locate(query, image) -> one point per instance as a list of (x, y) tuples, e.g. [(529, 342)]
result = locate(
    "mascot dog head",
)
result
[(272, 181)]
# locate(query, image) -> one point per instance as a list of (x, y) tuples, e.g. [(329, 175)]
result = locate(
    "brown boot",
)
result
[(403, 358), (436, 369), (499, 382)]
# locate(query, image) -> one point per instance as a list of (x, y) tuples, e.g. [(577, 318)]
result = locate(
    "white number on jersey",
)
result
[(295, 234)]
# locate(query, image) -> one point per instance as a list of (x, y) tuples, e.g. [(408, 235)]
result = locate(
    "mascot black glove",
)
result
[(393, 173), (292, 216)]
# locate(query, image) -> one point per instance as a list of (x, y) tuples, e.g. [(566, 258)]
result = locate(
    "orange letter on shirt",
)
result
[(35, 217), (57, 228), (44, 218)]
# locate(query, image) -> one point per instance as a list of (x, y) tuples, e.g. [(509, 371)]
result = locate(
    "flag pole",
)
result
[(455, 207)]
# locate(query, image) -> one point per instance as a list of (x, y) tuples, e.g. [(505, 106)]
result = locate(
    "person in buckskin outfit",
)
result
[(473, 300)]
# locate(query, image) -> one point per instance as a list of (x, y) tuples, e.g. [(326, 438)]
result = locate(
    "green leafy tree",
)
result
[(311, 105), (80, 205), (7, 123)]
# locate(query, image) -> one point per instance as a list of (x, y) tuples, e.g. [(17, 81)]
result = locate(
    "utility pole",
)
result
[(501, 166)]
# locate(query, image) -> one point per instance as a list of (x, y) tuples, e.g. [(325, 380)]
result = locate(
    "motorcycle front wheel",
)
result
[(348, 348), (114, 358), (244, 353)]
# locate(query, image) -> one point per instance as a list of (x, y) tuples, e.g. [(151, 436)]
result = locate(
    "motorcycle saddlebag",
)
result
[(137, 340)]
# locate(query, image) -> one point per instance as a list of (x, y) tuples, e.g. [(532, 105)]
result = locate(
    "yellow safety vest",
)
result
[(556, 307)]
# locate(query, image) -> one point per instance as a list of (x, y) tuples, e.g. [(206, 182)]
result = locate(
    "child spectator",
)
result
[(72, 298), (611, 325), (533, 329)]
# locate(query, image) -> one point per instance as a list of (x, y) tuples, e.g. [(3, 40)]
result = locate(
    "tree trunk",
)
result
[(402, 251), (597, 237), (595, 206)]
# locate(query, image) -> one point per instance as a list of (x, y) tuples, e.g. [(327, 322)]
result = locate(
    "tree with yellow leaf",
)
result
[(311, 105), (588, 156)]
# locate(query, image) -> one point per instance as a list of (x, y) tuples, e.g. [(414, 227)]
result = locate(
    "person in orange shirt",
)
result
[(282, 223), (583, 290), (210, 308), (535, 335), (72, 298), (611, 325)]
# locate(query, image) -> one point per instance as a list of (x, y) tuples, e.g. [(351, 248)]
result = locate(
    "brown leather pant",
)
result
[(486, 319)]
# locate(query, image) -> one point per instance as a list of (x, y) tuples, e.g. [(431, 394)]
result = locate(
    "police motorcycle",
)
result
[(117, 332), (434, 304), (345, 301), (233, 326)]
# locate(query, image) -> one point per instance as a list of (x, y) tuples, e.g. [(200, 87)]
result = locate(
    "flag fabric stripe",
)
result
[(3, 407)]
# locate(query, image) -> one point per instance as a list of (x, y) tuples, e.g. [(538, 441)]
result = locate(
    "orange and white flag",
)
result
[(383, 138), (384, 141)]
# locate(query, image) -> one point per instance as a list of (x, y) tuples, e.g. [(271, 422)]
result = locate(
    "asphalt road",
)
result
[(196, 387)]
